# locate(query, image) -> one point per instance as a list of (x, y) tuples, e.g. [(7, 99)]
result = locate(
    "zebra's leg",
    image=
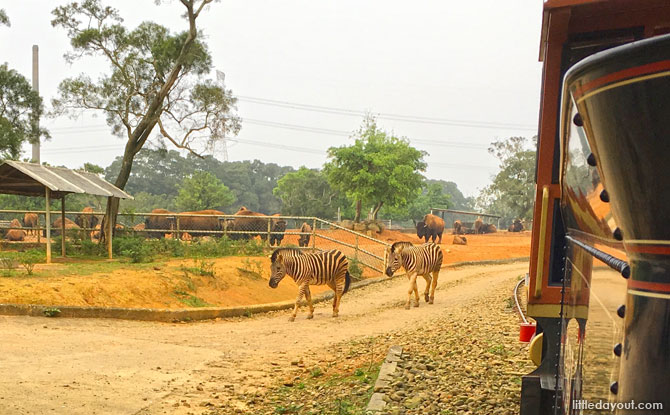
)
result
[(416, 292), (412, 284), (428, 280), (433, 286), (308, 296), (336, 298), (301, 292)]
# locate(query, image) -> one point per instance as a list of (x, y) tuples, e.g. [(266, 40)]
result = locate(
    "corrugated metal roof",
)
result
[(30, 179)]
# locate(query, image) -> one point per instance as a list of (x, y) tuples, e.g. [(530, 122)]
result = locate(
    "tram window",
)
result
[(578, 47)]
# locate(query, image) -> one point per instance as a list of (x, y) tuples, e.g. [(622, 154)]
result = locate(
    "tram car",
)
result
[(599, 278)]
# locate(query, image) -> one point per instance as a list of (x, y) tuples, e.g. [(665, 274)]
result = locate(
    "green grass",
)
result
[(318, 380), (190, 299), (89, 267)]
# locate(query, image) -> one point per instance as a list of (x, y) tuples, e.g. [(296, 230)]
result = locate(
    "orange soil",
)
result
[(166, 284), (500, 245), (160, 286)]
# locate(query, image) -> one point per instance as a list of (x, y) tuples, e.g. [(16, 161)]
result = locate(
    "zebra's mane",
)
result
[(399, 244), (278, 251)]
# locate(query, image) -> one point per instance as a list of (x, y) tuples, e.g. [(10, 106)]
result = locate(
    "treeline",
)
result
[(164, 179)]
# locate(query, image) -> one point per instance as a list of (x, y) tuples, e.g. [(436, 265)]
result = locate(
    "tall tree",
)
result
[(203, 191), (20, 111), (511, 193), (378, 168), (156, 79), (4, 19), (307, 192)]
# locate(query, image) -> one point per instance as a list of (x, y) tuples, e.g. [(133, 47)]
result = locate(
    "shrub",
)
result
[(137, 249), (29, 258), (355, 269), (7, 263)]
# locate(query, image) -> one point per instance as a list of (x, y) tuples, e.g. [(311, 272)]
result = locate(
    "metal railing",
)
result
[(275, 231)]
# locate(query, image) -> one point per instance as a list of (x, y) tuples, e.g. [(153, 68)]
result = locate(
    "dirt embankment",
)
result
[(169, 284), (236, 281)]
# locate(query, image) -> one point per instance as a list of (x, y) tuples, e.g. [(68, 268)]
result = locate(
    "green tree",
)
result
[(306, 192), (20, 111), (432, 195), (4, 19), (377, 169), (157, 172), (203, 191), (156, 79), (511, 193), (93, 168)]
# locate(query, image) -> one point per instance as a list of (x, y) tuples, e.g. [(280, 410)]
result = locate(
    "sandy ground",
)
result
[(77, 366)]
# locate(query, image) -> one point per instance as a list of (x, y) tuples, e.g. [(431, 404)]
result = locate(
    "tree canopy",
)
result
[(306, 192), (156, 172), (4, 19), (377, 169), (202, 190), (512, 191), (20, 111), (156, 78)]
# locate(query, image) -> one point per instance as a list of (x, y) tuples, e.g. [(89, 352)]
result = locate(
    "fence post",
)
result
[(356, 252), (314, 234), (177, 235), (269, 230)]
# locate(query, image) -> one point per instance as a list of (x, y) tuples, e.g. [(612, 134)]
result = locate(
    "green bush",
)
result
[(28, 259), (7, 263), (355, 269), (137, 249)]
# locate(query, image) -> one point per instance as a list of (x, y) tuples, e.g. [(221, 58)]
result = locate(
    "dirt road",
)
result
[(76, 366)]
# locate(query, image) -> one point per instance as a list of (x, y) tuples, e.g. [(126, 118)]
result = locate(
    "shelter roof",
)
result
[(30, 179)]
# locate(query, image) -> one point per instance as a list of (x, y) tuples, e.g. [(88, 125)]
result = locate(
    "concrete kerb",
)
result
[(191, 314), (383, 382)]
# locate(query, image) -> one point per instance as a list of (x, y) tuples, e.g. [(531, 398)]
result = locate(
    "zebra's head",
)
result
[(278, 269), (395, 257)]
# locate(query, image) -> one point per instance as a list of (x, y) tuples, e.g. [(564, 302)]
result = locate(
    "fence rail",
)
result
[(273, 230)]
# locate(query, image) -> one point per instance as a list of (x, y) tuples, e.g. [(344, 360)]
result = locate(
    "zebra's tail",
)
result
[(347, 282)]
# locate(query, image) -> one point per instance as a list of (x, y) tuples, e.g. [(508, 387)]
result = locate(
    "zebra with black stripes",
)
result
[(329, 267), (418, 260)]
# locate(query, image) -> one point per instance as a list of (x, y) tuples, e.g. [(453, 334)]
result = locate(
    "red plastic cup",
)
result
[(526, 332)]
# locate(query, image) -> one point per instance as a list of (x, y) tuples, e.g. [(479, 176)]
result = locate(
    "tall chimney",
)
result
[(36, 87)]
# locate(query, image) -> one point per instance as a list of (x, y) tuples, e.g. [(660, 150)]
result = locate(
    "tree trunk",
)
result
[(376, 210), (357, 218), (112, 209)]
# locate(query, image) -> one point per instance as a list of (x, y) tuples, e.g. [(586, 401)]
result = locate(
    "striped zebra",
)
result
[(417, 260), (329, 267)]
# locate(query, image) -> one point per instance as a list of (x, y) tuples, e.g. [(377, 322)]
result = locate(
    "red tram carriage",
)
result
[(599, 280)]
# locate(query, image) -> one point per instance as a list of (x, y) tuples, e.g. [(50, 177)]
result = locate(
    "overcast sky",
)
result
[(467, 62)]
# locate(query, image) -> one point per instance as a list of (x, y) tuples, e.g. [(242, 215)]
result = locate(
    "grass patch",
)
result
[(190, 299), (323, 393), (251, 269)]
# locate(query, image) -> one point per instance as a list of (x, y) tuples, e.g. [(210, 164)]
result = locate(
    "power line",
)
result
[(388, 116), (303, 128)]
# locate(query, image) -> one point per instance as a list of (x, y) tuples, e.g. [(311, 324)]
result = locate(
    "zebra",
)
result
[(417, 260), (328, 267)]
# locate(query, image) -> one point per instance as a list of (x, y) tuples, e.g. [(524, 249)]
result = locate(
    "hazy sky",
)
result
[(466, 62)]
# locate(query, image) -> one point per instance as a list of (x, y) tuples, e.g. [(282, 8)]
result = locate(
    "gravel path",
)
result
[(263, 364)]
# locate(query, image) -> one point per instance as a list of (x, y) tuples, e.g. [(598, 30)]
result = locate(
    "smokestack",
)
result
[(36, 87)]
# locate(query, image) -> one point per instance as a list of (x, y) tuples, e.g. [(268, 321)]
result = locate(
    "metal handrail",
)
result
[(516, 300)]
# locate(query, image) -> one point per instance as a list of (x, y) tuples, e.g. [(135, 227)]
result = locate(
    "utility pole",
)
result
[(36, 88)]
